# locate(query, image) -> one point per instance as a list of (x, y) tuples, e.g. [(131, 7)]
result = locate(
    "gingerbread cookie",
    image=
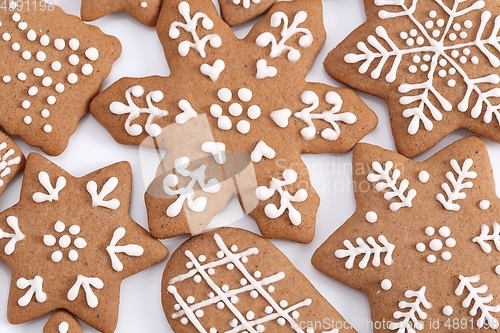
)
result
[(145, 11), (53, 65), (436, 63), (235, 95), (62, 322), (423, 243), (231, 280), (70, 242), (11, 161), (236, 12)]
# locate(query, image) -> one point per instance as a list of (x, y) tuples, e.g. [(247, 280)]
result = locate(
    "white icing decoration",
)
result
[(98, 198), (63, 327), (384, 181), (190, 26), (92, 53), (59, 44), (74, 44), (484, 204), (134, 111), (86, 283), (287, 32), (44, 40), (144, 4), (217, 149), (52, 192), (331, 116), (410, 321), (264, 193), (368, 248), (447, 310), (424, 176), (187, 112), (35, 289), (87, 69), (246, 3), (386, 284), (72, 78), (485, 237), (17, 236), (371, 217), (480, 302), (65, 242), (264, 71), (187, 193), (261, 150), (436, 244), (132, 250), (7, 160), (458, 184), (213, 71), (281, 117), (189, 310)]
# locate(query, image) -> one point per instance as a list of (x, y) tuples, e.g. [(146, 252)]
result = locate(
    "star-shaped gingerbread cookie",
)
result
[(70, 242), (424, 242), (52, 65), (145, 11), (231, 95), (435, 62), (11, 160)]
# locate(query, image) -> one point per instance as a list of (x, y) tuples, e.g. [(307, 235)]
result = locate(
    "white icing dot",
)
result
[(403, 35), (177, 307), (424, 176), (254, 112), (432, 14), (455, 53), (466, 51), (189, 265), (371, 217), (47, 81), (386, 284), (45, 40), (412, 69), (452, 36), (410, 42), (436, 245), (230, 266), (443, 62), (22, 26), (416, 59), (250, 315), (429, 24), (450, 242), (444, 231), (26, 104), (56, 66), (26, 55), (234, 248), (463, 35), (80, 243), (243, 126), (497, 269), (427, 57), (220, 305), (235, 110), (235, 300), (257, 274), (51, 100), (244, 260), (60, 88), (41, 56), (190, 299), (224, 123), (420, 40), (202, 258), (32, 91), (22, 76), (73, 255), (245, 94), (474, 60), (184, 321), (211, 271), (283, 303), (452, 83), (87, 69), (144, 4), (271, 289), (281, 321), (447, 310), (47, 128), (468, 24), (72, 78), (457, 27), (199, 313), (429, 231), (197, 278), (27, 120), (421, 247), (268, 310), (45, 113), (436, 33), (442, 73), (16, 17), (424, 68), (31, 35), (463, 59), (446, 255), (6, 79), (16, 47), (225, 95), (216, 110), (74, 230), (440, 23), (74, 59), (484, 204), (413, 32), (59, 44), (254, 294), (243, 282), (431, 258), (225, 288), (49, 240), (64, 241), (6, 36), (92, 54), (74, 44), (220, 254), (57, 256)]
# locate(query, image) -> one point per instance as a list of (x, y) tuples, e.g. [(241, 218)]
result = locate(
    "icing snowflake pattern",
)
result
[(17, 236), (458, 184), (411, 321)]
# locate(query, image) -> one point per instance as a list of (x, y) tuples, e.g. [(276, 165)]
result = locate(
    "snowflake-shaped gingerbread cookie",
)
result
[(54, 66), (424, 241), (11, 160), (231, 95), (435, 62), (81, 229)]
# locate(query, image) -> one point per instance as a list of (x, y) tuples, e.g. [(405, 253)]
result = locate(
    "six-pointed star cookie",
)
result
[(255, 100), (11, 160), (424, 241), (435, 62), (70, 242), (145, 11), (52, 65)]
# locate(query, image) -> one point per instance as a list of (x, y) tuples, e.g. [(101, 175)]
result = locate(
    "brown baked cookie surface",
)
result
[(70, 242), (231, 280), (423, 244), (52, 64), (235, 12), (11, 161), (436, 63), (145, 11), (62, 322), (235, 106)]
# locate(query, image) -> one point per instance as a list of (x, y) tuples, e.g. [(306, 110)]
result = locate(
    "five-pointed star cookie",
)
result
[(11, 160), (145, 11), (251, 97), (70, 242), (52, 65), (435, 62), (424, 242)]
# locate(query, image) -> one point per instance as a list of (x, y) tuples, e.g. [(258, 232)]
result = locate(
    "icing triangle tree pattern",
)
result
[(436, 62), (81, 229), (255, 99), (433, 262)]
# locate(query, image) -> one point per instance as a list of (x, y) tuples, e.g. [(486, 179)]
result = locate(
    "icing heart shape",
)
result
[(262, 150), (280, 117), (213, 71), (264, 71)]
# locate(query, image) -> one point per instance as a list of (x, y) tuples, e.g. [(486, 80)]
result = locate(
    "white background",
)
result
[(91, 147)]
